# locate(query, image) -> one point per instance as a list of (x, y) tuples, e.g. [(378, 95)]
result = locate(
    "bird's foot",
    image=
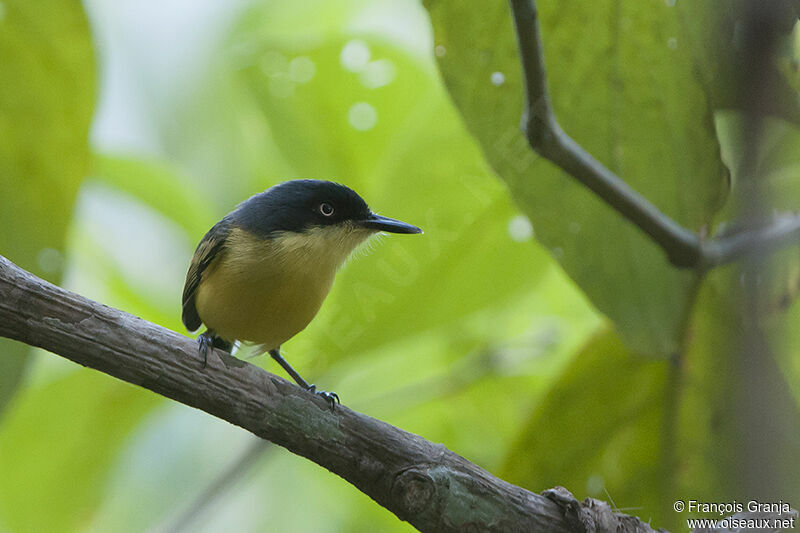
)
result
[(204, 341), (331, 397), (208, 339)]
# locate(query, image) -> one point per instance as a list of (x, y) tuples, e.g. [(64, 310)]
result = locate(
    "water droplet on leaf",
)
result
[(355, 55), (302, 69), (498, 78), (377, 74), (520, 228)]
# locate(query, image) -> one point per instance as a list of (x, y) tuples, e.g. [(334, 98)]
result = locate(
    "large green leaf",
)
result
[(622, 85), (46, 100), (57, 445)]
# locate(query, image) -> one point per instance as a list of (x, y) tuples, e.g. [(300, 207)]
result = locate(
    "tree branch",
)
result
[(683, 248), (419, 481), (783, 230)]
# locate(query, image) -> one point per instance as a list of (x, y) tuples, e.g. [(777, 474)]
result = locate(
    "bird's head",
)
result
[(315, 214)]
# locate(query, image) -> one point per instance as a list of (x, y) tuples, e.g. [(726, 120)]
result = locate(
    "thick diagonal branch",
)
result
[(419, 481), (683, 247)]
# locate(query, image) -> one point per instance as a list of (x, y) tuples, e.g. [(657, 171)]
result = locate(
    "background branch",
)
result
[(198, 506), (683, 247), (765, 411), (424, 483)]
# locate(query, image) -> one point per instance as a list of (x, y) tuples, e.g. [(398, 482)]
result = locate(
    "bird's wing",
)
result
[(209, 249)]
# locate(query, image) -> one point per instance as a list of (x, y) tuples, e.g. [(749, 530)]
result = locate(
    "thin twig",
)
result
[(548, 139), (784, 229), (211, 493)]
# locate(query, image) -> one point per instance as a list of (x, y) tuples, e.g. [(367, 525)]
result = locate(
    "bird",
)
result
[(261, 273)]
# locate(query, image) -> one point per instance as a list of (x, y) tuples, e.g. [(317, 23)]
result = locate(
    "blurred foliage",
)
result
[(46, 102), (46, 456), (617, 445), (471, 320), (470, 335), (617, 424)]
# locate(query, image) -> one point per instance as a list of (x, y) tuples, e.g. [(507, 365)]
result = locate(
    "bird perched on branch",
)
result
[(262, 272)]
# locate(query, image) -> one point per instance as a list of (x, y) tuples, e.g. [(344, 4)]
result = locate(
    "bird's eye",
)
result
[(326, 209)]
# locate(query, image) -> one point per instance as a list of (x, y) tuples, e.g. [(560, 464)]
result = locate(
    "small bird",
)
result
[(261, 273)]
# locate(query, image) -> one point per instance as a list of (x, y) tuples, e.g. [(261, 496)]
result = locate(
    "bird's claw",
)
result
[(204, 341), (331, 397)]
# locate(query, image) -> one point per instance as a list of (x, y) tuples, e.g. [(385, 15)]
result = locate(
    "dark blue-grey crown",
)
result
[(296, 206)]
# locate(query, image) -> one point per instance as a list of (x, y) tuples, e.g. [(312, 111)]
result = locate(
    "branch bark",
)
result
[(421, 482), (684, 248)]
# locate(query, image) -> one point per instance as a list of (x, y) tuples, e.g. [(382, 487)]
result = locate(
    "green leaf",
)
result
[(56, 447), (46, 101), (622, 85)]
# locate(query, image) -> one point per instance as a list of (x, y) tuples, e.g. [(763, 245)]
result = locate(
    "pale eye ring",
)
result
[(326, 209)]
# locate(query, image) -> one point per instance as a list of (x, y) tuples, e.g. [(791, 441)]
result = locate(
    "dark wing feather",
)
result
[(209, 248)]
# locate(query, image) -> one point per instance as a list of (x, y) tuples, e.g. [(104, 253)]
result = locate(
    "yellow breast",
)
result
[(266, 291)]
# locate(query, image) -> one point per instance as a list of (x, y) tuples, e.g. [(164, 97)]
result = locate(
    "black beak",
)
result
[(390, 225)]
